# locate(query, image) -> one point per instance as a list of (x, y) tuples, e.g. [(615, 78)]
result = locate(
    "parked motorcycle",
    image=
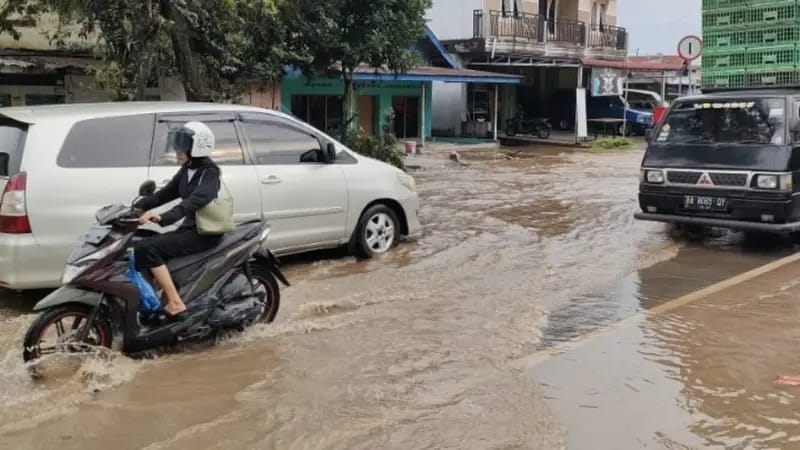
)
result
[(538, 127), (231, 286)]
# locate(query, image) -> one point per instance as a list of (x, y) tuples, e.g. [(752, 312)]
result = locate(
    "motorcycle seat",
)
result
[(242, 233)]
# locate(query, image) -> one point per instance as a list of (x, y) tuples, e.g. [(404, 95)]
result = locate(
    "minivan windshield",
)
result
[(12, 141), (724, 121)]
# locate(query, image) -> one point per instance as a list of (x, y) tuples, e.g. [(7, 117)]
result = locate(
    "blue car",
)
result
[(639, 121)]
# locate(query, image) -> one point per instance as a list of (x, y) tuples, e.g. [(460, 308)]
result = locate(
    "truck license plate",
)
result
[(705, 203)]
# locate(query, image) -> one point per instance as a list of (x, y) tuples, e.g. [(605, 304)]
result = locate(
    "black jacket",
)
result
[(196, 193)]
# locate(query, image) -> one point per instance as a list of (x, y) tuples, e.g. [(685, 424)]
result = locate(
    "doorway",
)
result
[(406, 116), (366, 114)]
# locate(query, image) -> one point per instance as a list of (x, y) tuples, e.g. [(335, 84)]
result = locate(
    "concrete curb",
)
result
[(537, 358)]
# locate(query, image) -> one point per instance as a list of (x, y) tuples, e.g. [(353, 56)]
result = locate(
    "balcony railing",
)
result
[(567, 31), (524, 26), (609, 37), (536, 28)]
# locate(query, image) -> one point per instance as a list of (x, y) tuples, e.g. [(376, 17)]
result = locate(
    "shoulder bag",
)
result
[(217, 216)]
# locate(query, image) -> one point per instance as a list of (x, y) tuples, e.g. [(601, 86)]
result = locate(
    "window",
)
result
[(109, 142), (44, 99), (227, 152), (323, 112), (274, 143), (512, 8), (741, 122), (12, 142)]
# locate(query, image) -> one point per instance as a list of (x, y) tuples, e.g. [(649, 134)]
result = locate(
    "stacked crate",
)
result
[(751, 43)]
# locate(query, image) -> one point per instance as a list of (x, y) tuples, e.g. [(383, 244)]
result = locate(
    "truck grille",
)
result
[(683, 177), (718, 178), (728, 179)]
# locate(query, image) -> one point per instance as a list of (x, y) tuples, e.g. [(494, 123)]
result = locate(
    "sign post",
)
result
[(689, 49)]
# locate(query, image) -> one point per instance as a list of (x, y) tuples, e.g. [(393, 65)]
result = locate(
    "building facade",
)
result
[(553, 44), (33, 71)]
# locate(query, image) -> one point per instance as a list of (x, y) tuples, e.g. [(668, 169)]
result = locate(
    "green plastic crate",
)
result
[(726, 60), (719, 4), (725, 18), (727, 40), (773, 13), (748, 17), (772, 57), (772, 78), (775, 35), (725, 79)]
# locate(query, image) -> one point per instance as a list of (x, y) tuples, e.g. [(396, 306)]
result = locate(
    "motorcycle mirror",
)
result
[(147, 188)]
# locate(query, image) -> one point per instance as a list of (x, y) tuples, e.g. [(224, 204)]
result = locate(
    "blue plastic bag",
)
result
[(149, 302)]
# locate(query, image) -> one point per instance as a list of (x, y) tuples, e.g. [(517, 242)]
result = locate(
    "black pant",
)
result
[(157, 250)]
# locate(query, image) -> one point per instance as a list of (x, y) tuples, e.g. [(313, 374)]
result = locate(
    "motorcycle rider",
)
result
[(197, 183)]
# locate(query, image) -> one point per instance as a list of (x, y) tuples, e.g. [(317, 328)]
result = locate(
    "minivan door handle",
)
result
[(272, 179)]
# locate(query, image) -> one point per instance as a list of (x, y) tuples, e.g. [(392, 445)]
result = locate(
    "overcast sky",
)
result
[(656, 26)]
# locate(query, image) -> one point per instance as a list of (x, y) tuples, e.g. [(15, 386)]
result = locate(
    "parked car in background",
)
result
[(615, 107), (60, 164), (643, 100)]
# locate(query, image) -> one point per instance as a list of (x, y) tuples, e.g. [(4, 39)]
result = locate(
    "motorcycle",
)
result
[(539, 127), (231, 286)]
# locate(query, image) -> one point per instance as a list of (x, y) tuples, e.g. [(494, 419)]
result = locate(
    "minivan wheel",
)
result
[(377, 232)]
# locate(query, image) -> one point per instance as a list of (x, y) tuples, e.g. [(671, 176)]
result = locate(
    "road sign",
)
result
[(690, 48)]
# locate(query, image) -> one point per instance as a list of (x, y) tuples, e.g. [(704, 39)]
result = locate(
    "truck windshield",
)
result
[(743, 122)]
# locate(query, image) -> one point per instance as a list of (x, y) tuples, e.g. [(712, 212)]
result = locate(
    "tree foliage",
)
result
[(346, 34), (218, 48)]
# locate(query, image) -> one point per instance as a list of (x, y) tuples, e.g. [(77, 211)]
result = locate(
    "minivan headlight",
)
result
[(654, 176), (407, 181)]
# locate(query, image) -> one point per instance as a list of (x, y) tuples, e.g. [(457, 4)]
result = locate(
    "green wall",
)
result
[(382, 90)]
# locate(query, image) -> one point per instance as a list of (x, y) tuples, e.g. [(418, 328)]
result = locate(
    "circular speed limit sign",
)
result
[(690, 48)]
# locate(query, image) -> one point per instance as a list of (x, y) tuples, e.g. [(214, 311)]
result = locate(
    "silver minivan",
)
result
[(59, 164)]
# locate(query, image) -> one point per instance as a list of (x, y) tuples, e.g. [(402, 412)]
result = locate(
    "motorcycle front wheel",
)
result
[(56, 331)]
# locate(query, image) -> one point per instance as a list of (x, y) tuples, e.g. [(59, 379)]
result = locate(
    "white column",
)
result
[(422, 117), (494, 113)]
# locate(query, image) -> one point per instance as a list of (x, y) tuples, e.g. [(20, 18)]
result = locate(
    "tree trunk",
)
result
[(347, 103), (189, 71)]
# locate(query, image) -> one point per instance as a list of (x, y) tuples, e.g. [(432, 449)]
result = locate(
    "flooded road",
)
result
[(420, 349)]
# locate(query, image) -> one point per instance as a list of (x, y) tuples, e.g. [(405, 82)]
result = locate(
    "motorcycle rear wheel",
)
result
[(66, 321)]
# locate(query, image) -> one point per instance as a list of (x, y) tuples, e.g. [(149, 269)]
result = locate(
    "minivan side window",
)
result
[(227, 152), (122, 141), (276, 143)]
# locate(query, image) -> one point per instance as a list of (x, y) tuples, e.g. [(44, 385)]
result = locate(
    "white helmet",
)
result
[(194, 139)]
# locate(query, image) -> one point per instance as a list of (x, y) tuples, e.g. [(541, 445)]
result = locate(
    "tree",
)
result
[(343, 35), (218, 48), (16, 13)]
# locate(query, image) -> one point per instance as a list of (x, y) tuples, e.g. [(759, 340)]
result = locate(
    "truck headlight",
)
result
[(654, 176), (767, 181)]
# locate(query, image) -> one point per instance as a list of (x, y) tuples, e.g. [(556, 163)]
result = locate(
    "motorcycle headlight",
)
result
[(76, 268)]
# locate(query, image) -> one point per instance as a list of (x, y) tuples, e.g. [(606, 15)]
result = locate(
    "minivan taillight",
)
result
[(13, 212)]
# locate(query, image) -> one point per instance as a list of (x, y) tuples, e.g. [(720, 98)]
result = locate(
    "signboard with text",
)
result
[(607, 82)]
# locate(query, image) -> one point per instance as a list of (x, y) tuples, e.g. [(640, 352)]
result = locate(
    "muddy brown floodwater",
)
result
[(416, 350)]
